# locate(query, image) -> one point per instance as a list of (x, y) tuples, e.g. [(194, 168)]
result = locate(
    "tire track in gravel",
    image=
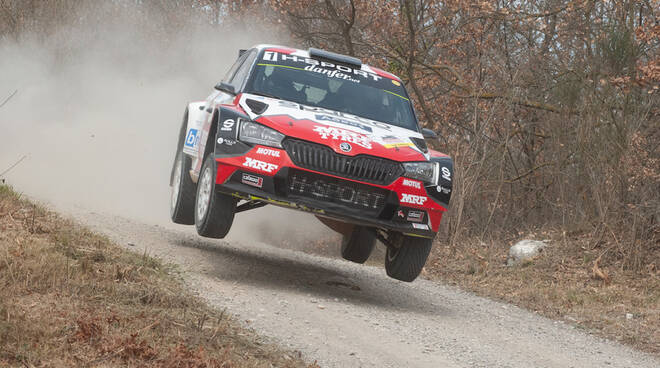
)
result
[(348, 315)]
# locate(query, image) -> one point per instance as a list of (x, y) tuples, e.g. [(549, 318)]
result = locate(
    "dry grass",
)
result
[(69, 297), (562, 283)]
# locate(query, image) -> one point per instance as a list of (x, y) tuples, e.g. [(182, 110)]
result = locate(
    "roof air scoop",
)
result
[(336, 58)]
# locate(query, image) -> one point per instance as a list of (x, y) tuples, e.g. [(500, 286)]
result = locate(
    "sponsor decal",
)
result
[(331, 73), (259, 165), (191, 138), (415, 216), (345, 115), (333, 133), (332, 113), (322, 66), (228, 125), (268, 152), (390, 141), (443, 190), (289, 104), (336, 192), (336, 119), (413, 199), (446, 174), (420, 226), (253, 180), (397, 145), (227, 141), (412, 183), (400, 214), (345, 147)]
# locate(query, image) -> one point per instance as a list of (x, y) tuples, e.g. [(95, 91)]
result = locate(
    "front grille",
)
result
[(337, 193), (321, 158)]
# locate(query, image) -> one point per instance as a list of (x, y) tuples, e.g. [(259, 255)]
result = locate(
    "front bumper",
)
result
[(267, 174)]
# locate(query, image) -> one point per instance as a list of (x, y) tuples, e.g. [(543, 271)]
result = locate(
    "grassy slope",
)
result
[(561, 284), (69, 297)]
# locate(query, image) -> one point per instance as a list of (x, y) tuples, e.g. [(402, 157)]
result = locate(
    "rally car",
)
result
[(319, 132)]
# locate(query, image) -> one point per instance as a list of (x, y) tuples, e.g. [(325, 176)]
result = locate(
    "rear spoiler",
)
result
[(334, 57)]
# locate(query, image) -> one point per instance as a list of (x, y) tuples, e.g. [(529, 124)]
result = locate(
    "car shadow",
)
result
[(275, 269)]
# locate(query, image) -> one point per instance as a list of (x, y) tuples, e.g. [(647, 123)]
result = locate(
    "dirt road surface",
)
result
[(348, 315)]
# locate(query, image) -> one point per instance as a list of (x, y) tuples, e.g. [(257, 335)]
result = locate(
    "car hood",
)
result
[(345, 133)]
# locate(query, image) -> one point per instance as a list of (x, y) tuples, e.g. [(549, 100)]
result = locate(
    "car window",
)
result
[(243, 70), (335, 87), (230, 74)]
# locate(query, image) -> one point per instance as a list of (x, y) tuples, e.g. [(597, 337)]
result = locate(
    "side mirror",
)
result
[(429, 134), (225, 87)]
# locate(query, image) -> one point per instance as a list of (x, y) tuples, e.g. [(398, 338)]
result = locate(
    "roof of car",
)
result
[(305, 53)]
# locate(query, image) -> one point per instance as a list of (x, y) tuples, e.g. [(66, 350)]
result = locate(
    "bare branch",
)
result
[(8, 98), (14, 165)]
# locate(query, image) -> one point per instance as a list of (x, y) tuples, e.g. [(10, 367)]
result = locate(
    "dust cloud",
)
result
[(97, 114)]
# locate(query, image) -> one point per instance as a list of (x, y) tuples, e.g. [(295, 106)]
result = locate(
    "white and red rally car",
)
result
[(319, 132)]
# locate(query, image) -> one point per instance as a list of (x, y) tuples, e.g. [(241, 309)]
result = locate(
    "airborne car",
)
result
[(319, 132)]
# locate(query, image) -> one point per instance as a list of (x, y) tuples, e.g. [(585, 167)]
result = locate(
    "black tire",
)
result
[(214, 211), (358, 246), (405, 261), (182, 198)]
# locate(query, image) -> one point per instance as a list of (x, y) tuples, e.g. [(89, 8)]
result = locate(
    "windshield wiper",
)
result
[(264, 94)]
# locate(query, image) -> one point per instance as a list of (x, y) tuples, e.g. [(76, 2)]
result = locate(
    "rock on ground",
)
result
[(525, 250)]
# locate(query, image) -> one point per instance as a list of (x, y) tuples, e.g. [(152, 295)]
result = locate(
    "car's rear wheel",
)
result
[(406, 256), (357, 246), (214, 211), (182, 198)]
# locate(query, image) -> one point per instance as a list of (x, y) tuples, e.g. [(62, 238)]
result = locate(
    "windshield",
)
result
[(336, 87)]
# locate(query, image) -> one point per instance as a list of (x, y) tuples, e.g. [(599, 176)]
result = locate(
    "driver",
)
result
[(280, 84)]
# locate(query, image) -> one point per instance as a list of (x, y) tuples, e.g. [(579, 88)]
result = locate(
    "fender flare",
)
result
[(192, 130), (224, 132), (442, 191), (191, 115)]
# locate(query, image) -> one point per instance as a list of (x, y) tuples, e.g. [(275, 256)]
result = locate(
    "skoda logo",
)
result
[(346, 147)]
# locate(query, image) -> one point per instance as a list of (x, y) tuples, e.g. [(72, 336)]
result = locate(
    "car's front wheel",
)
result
[(406, 256), (214, 211), (357, 246)]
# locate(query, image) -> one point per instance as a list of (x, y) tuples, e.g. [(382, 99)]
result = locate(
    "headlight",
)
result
[(424, 171), (258, 134)]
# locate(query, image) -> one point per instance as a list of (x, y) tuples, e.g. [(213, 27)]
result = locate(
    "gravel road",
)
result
[(348, 315)]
